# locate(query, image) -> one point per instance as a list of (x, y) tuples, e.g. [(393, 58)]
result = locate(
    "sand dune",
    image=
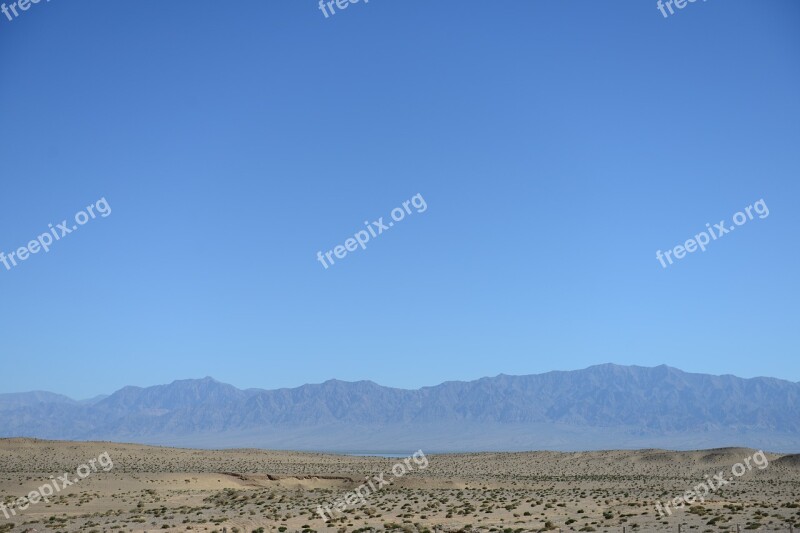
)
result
[(152, 488)]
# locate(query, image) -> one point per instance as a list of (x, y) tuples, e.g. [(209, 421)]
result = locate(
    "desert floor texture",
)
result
[(242, 491)]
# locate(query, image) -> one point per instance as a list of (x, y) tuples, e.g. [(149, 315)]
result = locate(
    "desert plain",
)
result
[(248, 490)]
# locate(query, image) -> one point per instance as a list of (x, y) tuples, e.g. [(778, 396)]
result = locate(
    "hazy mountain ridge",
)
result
[(555, 410)]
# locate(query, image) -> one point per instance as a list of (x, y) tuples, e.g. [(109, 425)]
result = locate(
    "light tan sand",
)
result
[(153, 488)]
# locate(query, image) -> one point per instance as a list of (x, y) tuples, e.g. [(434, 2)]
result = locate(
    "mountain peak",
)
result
[(608, 405)]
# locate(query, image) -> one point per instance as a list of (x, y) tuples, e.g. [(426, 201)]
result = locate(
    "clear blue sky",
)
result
[(558, 145)]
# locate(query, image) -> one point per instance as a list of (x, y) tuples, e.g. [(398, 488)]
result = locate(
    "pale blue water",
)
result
[(391, 455), (368, 453)]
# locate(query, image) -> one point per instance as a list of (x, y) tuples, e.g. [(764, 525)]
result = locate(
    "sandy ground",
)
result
[(241, 491)]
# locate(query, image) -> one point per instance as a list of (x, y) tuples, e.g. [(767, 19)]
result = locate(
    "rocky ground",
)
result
[(242, 491)]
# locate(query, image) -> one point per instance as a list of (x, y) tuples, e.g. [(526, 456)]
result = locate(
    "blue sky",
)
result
[(557, 145)]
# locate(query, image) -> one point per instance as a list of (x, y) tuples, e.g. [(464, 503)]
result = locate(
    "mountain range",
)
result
[(601, 407)]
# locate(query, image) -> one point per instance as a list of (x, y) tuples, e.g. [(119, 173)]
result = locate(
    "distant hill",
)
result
[(601, 407)]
